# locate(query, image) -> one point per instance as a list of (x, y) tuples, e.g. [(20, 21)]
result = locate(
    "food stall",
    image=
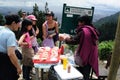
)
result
[(46, 57)]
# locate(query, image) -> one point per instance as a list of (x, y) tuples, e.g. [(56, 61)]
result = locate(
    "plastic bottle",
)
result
[(69, 68)]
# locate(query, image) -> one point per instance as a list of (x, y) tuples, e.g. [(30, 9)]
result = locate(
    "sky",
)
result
[(101, 6), (112, 5)]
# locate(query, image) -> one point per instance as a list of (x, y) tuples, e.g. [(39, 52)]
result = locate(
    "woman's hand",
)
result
[(25, 44), (50, 36), (61, 38), (64, 36)]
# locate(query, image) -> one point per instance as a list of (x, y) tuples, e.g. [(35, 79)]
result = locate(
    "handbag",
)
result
[(18, 54), (48, 42), (78, 60)]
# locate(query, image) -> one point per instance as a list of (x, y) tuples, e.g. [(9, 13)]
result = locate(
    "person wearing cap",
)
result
[(86, 54), (34, 32), (9, 65), (51, 26), (23, 16)]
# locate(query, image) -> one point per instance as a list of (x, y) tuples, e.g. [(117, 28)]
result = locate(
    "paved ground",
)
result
[(102, 69), (106, 71)]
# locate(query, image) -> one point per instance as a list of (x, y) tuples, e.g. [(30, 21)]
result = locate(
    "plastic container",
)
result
[(69, 68)]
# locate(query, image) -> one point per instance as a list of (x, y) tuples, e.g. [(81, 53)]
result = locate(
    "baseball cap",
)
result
[(32, 17), (50, 13)]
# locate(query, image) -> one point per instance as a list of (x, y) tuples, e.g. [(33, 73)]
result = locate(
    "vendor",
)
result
[(51, 26), (86, 55)]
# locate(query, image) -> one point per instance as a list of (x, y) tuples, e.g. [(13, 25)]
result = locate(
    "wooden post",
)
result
[(115, 61)]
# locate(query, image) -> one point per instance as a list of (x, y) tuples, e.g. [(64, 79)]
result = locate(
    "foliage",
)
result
[(39, 41), (2, 21), (20, 12), (105, 48), (107, 31), (69, 48), (40, 19), (46, 7), (72, 47), (107, 27)]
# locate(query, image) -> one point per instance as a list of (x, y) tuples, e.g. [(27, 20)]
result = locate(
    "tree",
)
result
[(107, 31), (40, 18), (36, 10), (115, 61), (46, 7), (1, 20), (20, 12)]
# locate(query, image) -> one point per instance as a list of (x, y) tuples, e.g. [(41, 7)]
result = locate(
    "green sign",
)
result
[(70, 15)]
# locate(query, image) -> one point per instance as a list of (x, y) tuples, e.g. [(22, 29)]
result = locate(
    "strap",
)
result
[(33, 32), (46, 27)]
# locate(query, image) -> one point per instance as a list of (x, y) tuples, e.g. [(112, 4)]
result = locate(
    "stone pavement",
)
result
[(104, 71)]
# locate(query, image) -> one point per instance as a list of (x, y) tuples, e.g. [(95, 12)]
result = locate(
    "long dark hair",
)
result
[(87, 21), (31, 31), (24, 25)]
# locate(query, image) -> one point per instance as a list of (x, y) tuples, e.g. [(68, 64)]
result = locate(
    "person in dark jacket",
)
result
[(86, 54)]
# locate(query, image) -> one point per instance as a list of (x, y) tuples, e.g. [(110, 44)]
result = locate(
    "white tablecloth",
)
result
[(64, 75), (43, 66)]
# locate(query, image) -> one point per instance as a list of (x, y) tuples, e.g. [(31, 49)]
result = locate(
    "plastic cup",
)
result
[(65, 62)]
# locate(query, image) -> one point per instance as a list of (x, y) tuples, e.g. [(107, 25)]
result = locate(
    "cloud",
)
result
[(18, 2), (110, 3), (82, 3), (11, 3), (58, 4)]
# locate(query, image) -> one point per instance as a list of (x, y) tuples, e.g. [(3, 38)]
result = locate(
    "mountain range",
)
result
[(4, 10), (108, 19)]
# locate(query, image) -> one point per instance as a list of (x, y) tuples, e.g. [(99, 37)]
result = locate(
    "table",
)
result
[(42, 67), (47, 66), (64, 75)]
